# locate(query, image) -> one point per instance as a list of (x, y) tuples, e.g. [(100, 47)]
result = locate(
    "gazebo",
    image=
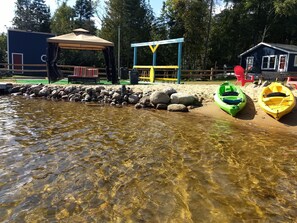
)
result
[(79, 39)]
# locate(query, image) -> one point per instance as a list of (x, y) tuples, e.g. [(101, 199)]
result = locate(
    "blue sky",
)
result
[(157, 6), (7, 10)]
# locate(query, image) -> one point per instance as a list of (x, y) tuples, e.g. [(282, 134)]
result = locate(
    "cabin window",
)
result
[(268, 62), (295, 61), (282, 62), (249, 63)]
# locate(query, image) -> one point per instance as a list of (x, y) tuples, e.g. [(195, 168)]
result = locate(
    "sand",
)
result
[(251, 115)]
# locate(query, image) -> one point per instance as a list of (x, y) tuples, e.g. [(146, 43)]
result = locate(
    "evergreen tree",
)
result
[(23, 15), (63, 20), (41, 16), (245, 23), (84, 12), (134, 17), (32, 15), (3, 48), (166, 55), (188, 19)]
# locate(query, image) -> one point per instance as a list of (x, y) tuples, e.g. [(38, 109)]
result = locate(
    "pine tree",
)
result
[(84, 12), (32, 15), (41, 16), (23, 15), (134, 17), (3, 47), (63, 20), (188, 19)]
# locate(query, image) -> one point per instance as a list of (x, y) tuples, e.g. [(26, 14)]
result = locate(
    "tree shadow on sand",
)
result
[(249, 111)]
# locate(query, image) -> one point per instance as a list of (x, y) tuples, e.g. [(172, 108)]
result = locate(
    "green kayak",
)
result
[(230, 98)]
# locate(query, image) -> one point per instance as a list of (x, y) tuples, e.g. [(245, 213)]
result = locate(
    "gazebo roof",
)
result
[(80, 39)]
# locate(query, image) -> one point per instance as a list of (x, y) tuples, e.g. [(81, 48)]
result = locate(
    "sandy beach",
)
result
[(251, 115)]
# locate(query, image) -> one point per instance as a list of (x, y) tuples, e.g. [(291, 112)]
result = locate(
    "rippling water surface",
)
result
[(70, 162)]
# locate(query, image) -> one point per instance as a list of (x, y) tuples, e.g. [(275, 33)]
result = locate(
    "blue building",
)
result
[(270, 58), (25, 47)]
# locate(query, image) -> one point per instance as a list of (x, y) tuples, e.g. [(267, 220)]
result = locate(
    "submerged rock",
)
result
[(177, 108)]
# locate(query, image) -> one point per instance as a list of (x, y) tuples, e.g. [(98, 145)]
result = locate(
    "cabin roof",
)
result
[(283, 47)]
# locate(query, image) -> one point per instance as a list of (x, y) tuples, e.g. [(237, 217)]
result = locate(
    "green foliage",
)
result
[(81, 57), (241, 25), (84, 11), (187, 19), (3, 48), (23, 15), (245, 23), (32, 15), (41, 16), (63, 20), (134, 17), (286, 7)]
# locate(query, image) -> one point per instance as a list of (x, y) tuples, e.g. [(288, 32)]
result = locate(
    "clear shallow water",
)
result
[(69, 162)]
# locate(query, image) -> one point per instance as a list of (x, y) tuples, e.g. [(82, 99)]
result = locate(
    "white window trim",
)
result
[(286, 63), (247, 59), (275, 62), (295, 61)]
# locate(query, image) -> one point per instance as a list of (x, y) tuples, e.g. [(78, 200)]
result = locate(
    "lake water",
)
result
[(70, 162)]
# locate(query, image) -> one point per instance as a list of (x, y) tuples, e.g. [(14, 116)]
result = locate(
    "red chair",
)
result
[(292, 80), (80, 71), (240, 75)]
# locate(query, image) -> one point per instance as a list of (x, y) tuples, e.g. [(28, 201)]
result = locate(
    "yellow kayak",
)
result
[(276, 100)]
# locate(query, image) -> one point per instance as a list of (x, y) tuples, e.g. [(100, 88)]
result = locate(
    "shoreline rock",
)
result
[(158, 96), (113, 96)]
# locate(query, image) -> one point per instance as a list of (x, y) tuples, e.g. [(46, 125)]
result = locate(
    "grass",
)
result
[(42, 80)]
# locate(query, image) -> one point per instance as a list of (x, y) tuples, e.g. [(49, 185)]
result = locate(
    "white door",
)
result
[(249, 63), (283, 63)]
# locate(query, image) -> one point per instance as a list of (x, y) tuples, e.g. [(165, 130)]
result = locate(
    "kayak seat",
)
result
[(230, 93), (232, 102), (276, 94)]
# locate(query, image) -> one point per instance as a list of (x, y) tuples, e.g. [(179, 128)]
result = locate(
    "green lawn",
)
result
[(60, 82), (42, 80)]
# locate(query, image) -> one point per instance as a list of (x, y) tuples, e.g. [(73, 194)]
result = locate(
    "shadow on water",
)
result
[(249, 112)]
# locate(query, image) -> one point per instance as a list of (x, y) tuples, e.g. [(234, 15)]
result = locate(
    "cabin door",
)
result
[(283, 63), (17, 63), (249, 63)]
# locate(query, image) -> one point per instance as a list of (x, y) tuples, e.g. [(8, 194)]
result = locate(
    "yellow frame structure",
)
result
[(154, 46)]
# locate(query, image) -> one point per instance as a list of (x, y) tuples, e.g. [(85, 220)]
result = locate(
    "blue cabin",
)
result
[(270, 58), (25, 47)]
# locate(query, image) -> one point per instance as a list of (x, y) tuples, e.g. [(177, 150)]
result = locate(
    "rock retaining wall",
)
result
[(167, 99)]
